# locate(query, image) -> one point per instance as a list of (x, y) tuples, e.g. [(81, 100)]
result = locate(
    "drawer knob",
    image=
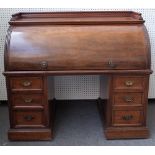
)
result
[(27, 83), (127, 117), (28, 117), (111, 64), (129, 83), (128, 99), (44, 64), (28, 100)]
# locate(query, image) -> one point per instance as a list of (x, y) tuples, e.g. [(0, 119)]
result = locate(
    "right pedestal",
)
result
[(126, 107)]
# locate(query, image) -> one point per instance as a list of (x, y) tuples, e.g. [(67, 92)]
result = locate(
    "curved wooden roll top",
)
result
[(77, 41)]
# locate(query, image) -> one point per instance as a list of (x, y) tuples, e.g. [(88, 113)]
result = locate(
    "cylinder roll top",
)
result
[(77, 41)]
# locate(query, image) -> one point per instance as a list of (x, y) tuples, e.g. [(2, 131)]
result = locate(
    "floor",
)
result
[(77, 123)]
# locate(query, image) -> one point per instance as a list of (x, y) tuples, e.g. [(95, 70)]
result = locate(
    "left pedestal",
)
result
[(30, 117)]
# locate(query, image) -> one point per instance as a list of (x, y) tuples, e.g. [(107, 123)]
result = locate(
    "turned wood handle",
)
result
[(27, 83), (127, 117), (111, 64), (28, 117), (28, 100), (128, 99), (129, 83)]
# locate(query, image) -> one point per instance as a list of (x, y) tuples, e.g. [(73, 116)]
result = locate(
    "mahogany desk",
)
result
[(113, 44)]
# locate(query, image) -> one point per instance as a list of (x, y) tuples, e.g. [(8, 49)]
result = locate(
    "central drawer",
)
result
[(28, 118)]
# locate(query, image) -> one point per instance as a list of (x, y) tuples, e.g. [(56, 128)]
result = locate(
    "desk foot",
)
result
[(126, 132), (30, 134)]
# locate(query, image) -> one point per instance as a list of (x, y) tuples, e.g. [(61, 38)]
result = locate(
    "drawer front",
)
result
[(127, 118), (128, 99), (26, 83), (124, 82), (27, 99), (27, 118)]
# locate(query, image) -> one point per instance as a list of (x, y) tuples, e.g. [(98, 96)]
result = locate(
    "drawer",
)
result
[(27, 99), (26, 83), (127, 117), (28, 118), (125, 82), (128, 98)]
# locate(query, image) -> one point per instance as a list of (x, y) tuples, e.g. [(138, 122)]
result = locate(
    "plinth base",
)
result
[(30, 134), (126, 132)]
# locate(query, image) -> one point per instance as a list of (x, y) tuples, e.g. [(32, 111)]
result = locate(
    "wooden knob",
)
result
[(26, 83), (44, 65), (111, 64)]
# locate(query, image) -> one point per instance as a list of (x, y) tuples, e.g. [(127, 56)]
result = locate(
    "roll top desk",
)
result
[(114, 45)]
